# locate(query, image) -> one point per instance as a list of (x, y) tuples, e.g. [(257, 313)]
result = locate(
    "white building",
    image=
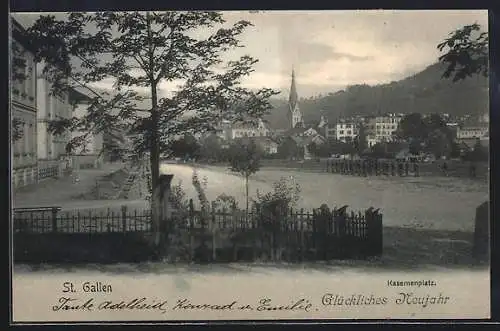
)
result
[(386, 126), (51, 148), (23, 110), (346, 131), (472, 132), (261, 129)]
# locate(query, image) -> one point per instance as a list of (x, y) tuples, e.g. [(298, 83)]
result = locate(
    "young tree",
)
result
[(289, 148), (466, 52), (244, 158), (438, 144), (143, 51), (210, 149)]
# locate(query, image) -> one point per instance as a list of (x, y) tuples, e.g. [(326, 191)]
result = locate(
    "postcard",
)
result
[(262, 165)]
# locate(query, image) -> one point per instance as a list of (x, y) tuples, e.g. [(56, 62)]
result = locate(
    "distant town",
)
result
[(209, 167), (350, 136)]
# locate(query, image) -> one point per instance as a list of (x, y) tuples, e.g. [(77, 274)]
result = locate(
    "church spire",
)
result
[(292, 101)]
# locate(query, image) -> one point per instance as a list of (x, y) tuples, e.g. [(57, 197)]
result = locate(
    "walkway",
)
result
[(61, 192)]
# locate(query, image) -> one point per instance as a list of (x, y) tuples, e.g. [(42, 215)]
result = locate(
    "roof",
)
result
[(251, 124), (256, 139), (78, 96), (468, 143), (295, 131), (263, 139), (311, 139)]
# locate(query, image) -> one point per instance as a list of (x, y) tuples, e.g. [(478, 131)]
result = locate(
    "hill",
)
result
[(424, 92)]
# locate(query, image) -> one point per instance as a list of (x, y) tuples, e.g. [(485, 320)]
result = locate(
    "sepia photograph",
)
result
[(249, 165)]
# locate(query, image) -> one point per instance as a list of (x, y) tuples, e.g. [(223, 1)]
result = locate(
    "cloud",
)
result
[(332, 49)]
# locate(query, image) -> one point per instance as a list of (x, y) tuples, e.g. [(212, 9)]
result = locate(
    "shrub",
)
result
[(179, 198), (225, 202), (285, 195)]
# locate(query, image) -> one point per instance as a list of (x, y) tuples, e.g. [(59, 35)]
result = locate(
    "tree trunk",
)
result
[(154, 149)]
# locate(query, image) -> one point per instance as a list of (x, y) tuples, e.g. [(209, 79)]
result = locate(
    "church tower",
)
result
[(295, 116)]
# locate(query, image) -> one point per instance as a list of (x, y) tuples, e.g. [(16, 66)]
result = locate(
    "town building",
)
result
[(472, 132), (23, 109), (240, 130), (485, 118), (224, 130), (268, 145), (386, 126), (53, 158), (331, 132), (346, 130)]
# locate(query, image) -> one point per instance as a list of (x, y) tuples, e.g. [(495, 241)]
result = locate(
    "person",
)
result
[(445, 168)]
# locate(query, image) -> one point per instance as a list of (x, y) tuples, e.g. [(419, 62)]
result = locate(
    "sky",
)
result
[(330, 50)]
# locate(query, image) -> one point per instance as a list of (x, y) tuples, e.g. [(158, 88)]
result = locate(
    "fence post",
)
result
[(124, 218), (54, 219), (191, 227), (375, 231), (341, 218), (481, 233), (301, 224), (214, 243), (314, 230)]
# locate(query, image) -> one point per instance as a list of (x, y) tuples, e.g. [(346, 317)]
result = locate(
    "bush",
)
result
[(285, 195), (225, 202)]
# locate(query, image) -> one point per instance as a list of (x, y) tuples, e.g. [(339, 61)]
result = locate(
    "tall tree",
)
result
[(438, 144), (465, 52), (185, 147), (412, 127), (141, 51), (210, 149), (244, 158)]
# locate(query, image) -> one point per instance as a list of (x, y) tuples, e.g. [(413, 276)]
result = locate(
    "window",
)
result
[(349, 132), (31, 138), (26, 138), (341, 132)]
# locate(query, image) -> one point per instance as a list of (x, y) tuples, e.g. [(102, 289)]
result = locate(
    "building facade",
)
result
[(261, 129), (472, 132), (51, 148), (386, 126), (23, 110), (346, 131)]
